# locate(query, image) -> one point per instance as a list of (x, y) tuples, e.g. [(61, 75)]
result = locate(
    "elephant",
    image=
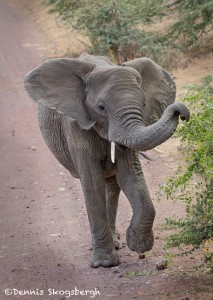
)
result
[(96, 117)]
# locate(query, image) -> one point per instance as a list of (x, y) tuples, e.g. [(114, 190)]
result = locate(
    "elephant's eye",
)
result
[(101, 108)]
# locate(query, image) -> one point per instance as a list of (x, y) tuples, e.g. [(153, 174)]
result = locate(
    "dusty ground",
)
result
[(45, 239)]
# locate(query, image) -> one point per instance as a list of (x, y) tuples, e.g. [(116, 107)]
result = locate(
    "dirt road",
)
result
[(44, 231)]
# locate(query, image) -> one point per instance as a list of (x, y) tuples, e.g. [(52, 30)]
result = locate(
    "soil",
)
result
[(45, 239)]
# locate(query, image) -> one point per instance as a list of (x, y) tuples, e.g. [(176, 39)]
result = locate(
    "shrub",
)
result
[(113, 26), (194, 20), (196, 228)]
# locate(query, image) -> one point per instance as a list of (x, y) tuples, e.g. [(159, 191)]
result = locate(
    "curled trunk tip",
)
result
[(145, 138)]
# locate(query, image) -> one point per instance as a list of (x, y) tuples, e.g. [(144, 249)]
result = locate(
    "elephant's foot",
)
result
[(138, 241), (116, 239), (104, 259)]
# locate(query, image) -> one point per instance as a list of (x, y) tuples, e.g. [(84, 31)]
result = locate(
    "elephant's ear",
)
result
[(59, 84), (158, 86)]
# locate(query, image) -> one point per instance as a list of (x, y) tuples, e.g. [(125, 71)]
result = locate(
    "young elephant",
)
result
[(94, 117)]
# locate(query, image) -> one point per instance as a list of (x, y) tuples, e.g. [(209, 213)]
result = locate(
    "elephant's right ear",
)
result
[(158, 86), (59, 84)]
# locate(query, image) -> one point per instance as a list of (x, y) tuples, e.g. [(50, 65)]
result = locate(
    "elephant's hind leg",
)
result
[(112, 195)]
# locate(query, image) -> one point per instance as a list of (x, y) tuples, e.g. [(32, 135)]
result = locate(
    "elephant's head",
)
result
[(122, 103)]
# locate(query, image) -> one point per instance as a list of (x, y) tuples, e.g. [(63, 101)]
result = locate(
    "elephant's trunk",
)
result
[(143, 138)]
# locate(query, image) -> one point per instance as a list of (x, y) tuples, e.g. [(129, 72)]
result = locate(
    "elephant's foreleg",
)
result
[(131, 180), (104, 253), (112, 195)]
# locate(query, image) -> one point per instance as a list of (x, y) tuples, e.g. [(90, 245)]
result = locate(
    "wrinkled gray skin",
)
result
[(86, 103)]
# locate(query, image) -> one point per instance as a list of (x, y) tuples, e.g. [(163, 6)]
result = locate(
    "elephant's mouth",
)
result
[(120, 147)]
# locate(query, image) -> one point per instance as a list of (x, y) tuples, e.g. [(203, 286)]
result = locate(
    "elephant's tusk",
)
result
[(113, 152)]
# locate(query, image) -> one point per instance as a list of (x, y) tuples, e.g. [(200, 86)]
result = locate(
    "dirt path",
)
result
[(45, 239)]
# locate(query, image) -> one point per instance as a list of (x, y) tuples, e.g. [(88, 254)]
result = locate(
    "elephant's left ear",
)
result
[(158, 86)]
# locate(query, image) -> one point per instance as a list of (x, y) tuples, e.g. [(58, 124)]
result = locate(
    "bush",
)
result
[(196, 228), (112, 29), (113, 26), (194, 20)]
